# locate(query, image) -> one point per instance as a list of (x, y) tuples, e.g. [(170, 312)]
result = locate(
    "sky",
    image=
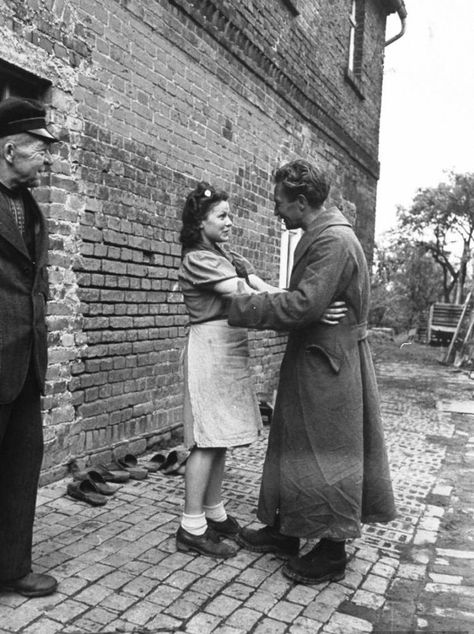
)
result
[(427, 122)]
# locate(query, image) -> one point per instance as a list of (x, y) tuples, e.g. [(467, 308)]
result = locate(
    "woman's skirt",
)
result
[(220, 405)]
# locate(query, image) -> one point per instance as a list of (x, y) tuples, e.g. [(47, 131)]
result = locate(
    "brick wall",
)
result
[(148, 98)]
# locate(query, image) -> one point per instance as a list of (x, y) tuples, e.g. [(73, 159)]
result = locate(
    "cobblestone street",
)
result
[(119, 571)]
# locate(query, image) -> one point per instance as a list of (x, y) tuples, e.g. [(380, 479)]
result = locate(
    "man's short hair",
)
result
[(301, 177)]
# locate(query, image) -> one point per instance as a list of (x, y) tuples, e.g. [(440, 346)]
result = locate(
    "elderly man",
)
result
[(326, 468), (24, 153)]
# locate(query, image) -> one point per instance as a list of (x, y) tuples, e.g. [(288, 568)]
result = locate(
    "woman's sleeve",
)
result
[(202, 268)]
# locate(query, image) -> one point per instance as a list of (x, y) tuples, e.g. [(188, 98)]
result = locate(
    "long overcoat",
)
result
[(326, 467), (23, 296)]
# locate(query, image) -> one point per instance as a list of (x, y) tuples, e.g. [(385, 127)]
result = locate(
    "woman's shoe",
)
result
[(207, 544), (228, 528)]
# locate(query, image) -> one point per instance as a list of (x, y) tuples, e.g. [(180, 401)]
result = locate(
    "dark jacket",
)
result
[(23, 296), (326, 467)]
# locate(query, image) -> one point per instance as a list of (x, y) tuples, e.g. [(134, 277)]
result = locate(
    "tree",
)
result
[(440, 222), (406, 280)]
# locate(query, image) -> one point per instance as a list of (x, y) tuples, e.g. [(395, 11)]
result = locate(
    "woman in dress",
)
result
[(220, 405)]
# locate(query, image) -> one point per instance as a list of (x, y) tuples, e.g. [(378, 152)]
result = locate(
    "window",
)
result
[(356, 39), (16, 82), (289, 240)]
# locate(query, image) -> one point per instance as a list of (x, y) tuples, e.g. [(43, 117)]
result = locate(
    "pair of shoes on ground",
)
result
[(210, 544), (129, 463), (91, 486), (114, 473), (172, 464), (31, 585), (325, 562)]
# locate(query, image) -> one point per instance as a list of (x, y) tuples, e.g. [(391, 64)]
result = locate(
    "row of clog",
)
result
[(93, 484)]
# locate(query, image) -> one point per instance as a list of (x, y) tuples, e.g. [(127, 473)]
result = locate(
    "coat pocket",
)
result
[(333, 359), (325, 340), (334, 342)]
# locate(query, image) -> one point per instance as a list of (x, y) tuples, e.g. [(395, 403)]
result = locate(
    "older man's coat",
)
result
[(326, 467), (23, 362), (23, 296)]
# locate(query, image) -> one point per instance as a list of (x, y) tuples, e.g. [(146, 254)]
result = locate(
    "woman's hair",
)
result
[(301, 177), (198, 204)]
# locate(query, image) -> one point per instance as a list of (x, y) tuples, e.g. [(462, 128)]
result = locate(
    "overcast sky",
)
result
[(427, 124)]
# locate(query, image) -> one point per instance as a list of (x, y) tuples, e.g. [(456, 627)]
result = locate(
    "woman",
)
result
[(220, 405)]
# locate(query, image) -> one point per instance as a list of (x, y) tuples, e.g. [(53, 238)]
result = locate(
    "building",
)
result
[(149, 97)]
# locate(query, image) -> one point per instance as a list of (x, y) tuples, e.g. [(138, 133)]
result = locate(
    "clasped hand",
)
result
[(334, 313), (331, 316)]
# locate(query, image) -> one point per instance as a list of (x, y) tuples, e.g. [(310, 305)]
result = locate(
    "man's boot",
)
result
[(268, 540), (325, 562)]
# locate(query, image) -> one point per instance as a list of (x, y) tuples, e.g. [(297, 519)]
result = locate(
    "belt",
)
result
[(360, 331)]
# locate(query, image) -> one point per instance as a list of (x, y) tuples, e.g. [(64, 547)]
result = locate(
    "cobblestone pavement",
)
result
[(119, 570)]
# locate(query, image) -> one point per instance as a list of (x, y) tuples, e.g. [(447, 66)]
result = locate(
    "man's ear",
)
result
[(302, 201), (8, 151)]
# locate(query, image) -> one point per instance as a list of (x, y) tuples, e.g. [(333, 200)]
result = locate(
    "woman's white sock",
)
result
[(194, 524), (216, 512)]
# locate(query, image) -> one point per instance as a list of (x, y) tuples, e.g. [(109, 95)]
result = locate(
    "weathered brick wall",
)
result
[(148, 98)]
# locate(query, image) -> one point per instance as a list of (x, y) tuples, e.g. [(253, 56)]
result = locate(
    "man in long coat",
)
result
[(326, 467), (24, 153)]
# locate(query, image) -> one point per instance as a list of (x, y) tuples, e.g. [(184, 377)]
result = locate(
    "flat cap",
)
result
[(23, 115)]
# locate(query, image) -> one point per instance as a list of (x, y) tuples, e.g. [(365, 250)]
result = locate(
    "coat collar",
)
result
[(8, 228), (324, 219)]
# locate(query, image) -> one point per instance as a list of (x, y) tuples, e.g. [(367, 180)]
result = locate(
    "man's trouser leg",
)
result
[(21, 454)]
